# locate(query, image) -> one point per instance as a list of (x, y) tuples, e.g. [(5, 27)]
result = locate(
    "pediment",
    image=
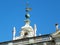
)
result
[(56, 33)]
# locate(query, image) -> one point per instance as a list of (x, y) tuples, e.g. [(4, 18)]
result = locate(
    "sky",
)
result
[(45, 14)]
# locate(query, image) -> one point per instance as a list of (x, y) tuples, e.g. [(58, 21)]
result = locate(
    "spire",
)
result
[(14, 33), (27, 16), (35, 29)]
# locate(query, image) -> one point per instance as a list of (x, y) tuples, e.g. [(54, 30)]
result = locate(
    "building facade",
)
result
[(38, 40), (48, 39)]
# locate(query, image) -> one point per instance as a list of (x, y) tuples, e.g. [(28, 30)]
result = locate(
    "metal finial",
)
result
[(27, 3), (27, 10), (27, 16), (27, 6)]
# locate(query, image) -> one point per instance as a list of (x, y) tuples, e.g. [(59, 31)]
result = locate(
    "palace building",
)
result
[(28, 34)]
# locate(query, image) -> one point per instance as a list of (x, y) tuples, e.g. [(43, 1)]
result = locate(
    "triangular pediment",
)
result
[(56, 33)]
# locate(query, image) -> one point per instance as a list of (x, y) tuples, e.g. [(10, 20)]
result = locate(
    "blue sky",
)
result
[(45, 14)]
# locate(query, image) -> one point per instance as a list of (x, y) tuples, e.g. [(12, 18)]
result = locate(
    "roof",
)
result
[(47, 35)]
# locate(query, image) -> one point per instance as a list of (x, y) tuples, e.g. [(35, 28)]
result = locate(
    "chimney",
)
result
[(56, 25)]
